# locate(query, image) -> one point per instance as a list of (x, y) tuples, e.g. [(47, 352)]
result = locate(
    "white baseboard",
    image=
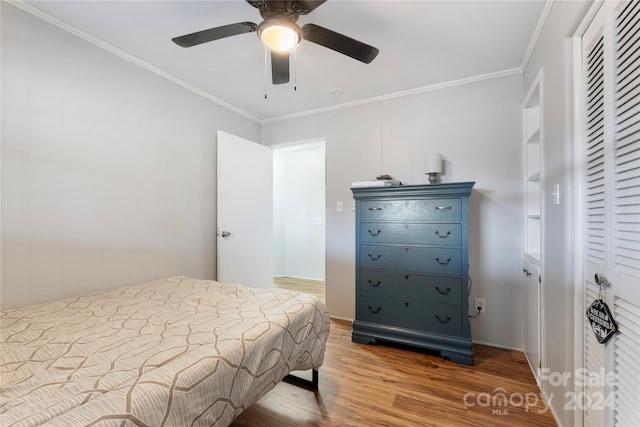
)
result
[(340, 318), (298, 277), (498, 346)]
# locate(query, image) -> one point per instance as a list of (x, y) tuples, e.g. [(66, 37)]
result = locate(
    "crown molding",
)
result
[(130, 58), (430, 88), (536, 33)]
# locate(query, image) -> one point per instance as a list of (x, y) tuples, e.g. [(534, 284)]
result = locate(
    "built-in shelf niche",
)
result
[(532, 173), (532, 192), (533, 223)]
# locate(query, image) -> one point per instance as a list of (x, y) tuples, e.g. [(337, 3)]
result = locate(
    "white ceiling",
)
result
[(422, 43)]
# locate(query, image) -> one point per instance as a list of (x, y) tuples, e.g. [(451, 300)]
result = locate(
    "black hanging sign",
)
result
[(601, 321)]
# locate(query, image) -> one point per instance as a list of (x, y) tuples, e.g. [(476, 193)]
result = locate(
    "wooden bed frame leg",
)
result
[(301, 382)]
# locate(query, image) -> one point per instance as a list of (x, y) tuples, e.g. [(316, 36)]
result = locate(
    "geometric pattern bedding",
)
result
[(173, 352)]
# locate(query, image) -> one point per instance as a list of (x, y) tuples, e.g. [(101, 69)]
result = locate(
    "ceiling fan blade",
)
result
[(216, 33), (279, 67), (307, 6), (340, 43)]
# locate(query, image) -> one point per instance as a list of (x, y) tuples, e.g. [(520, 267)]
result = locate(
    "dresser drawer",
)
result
[(420, 316), (444, 234), (411, 210), (419, 259), (442, 290)]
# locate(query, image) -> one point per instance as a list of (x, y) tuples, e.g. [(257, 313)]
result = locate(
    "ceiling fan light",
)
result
[(278, 35)]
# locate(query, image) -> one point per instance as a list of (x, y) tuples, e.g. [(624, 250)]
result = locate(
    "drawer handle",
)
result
[(375, 259), (376, 311), (443, 263), (443, 321), (375, 209), (374, 285), (443, 208), (445, 292), (374, 234), (443, 235)]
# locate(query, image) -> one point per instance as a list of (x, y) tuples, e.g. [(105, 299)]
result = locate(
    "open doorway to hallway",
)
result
[(299, 216)]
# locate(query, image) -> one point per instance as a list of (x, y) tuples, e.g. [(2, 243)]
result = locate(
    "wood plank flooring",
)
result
[(376, 385), (313, 287)]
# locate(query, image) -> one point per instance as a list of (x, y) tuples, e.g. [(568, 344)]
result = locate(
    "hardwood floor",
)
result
[(375, 385), (313, 287)]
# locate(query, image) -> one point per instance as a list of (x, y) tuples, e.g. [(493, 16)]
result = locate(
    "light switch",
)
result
[(556, 194), (339, 206)]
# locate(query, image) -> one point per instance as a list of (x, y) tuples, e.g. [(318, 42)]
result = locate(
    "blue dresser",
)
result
[(412, 267)]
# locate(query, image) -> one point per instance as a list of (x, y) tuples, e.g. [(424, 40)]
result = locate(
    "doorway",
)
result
[(299, 187)]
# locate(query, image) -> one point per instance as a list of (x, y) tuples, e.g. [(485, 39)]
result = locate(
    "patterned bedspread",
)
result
[(174, 352)]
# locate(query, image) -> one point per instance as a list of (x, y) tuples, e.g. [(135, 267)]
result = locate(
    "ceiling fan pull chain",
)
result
[(295, 69), (266, 66)]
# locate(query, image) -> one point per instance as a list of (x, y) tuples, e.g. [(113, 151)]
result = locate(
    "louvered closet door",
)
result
[(611, 182), (595, 196)]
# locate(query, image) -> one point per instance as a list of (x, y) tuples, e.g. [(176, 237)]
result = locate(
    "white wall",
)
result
[(553, 53), (299, 212), (107, 169), (107, 174), (477, 127)]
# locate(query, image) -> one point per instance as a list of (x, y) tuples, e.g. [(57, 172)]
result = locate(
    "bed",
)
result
[(173, 352)]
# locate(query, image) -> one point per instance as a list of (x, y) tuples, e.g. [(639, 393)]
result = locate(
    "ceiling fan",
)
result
[(280, 33)]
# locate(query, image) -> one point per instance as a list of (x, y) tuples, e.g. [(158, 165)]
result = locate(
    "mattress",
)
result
[(173, 352)]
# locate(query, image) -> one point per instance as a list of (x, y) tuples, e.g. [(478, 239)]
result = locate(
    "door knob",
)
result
[(226, 234), (602, 281)]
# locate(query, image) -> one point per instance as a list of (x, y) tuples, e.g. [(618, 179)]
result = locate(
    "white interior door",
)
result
[(611, 183), (245, 212)]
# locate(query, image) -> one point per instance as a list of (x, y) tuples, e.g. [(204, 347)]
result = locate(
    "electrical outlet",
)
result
[(479, 304)]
